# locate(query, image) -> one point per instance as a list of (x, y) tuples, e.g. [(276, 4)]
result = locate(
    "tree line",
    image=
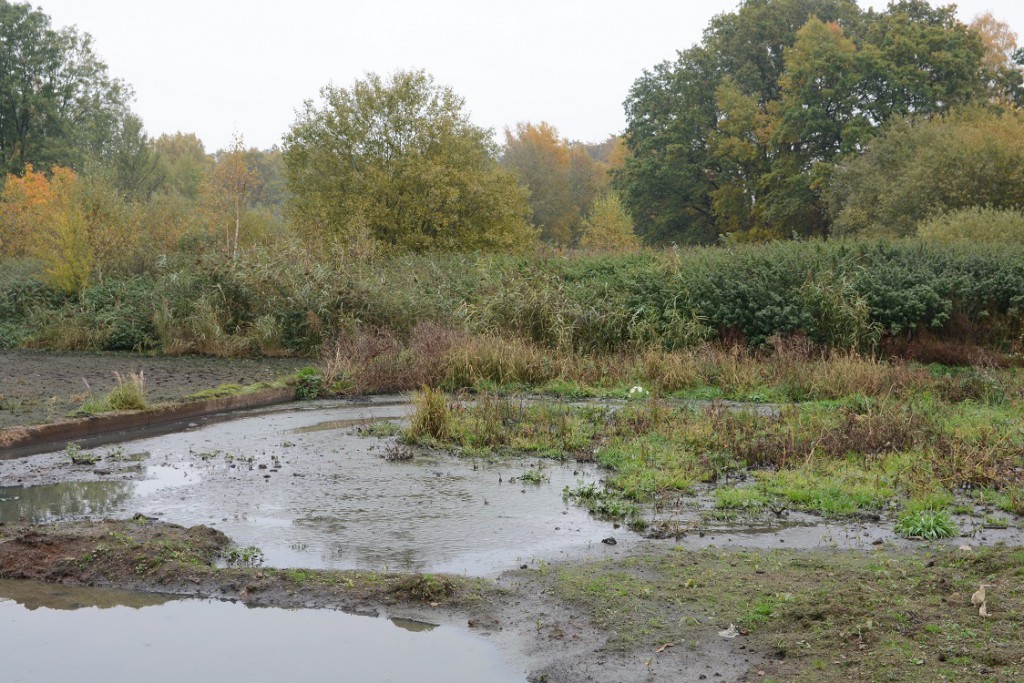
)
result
[(746, 133), (790, 118)]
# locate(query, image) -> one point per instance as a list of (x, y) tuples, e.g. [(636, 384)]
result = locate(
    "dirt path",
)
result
[(38, 386)]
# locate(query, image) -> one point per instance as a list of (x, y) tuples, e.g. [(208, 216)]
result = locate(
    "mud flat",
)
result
[(40, 386)]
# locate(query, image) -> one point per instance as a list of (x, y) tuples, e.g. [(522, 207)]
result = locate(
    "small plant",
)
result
[(602, 503), (928, 525), (993, 522), (249, 556), (534, 476), (80, 457), (129, 394), (425, 587), (309, 384), (638, 392), (381, 430)]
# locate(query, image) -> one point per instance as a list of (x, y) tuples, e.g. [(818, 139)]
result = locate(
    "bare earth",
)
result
[(38, 386)]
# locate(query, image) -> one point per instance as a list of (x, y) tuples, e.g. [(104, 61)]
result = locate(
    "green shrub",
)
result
[(975, 224), (836, 294)]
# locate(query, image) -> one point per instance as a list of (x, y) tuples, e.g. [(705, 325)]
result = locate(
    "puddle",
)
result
[(115, 636), (310, 491)]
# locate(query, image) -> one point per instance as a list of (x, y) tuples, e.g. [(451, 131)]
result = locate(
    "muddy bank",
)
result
[(656, 613), (38, 386), (552, 639)]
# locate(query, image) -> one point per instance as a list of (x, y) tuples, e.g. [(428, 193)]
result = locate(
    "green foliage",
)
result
[(975, 224), (918, 169), (398, 161), (929, 525), (58, 104), (849, 295), (77, 456), (740, 134), (309, 384), (249, 556)]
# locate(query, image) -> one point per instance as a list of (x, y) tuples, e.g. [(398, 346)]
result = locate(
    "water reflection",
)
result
[(32, 595), (62, 501), (205, 640)]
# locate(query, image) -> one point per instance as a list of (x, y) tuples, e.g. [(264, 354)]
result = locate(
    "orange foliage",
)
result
[(24, 205)]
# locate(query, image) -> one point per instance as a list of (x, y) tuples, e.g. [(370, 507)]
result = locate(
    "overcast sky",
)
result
[(216, 67)]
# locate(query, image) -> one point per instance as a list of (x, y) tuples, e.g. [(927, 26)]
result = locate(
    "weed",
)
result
[(129, 394), (382, 429), (425, 587), (309, 384), (993, 522), (79, 457), (249, 556), (740, 498), (534, 476), (928, 525), (432, 417), (602, 503)]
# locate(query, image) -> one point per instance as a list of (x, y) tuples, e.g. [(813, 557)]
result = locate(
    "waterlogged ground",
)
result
[(320, 487), (723, 594), (106, 635), (310, 488)]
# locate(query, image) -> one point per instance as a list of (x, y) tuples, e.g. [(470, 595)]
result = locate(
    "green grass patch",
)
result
[(879, 616), (925, 524)]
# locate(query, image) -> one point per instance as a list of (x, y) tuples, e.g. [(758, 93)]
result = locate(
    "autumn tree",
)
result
[(609, 228), (23, 206), (230, 190), (541, 159), (1003, 60), (79, 227), (397, 159), (562, 176)]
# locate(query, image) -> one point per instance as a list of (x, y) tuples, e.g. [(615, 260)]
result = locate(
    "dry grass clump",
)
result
[(432, 417), (129, 394), (379, 361), (794, 437)]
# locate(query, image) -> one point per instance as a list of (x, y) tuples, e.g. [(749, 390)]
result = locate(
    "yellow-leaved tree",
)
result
[(609, 227), (79, 228)]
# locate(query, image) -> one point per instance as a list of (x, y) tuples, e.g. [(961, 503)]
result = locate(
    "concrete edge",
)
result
[(17, 442)]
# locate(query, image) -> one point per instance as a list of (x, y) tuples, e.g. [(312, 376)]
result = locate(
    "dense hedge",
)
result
[(841, 294)]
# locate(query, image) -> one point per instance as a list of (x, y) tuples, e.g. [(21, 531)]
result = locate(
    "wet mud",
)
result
[(40, 386)]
